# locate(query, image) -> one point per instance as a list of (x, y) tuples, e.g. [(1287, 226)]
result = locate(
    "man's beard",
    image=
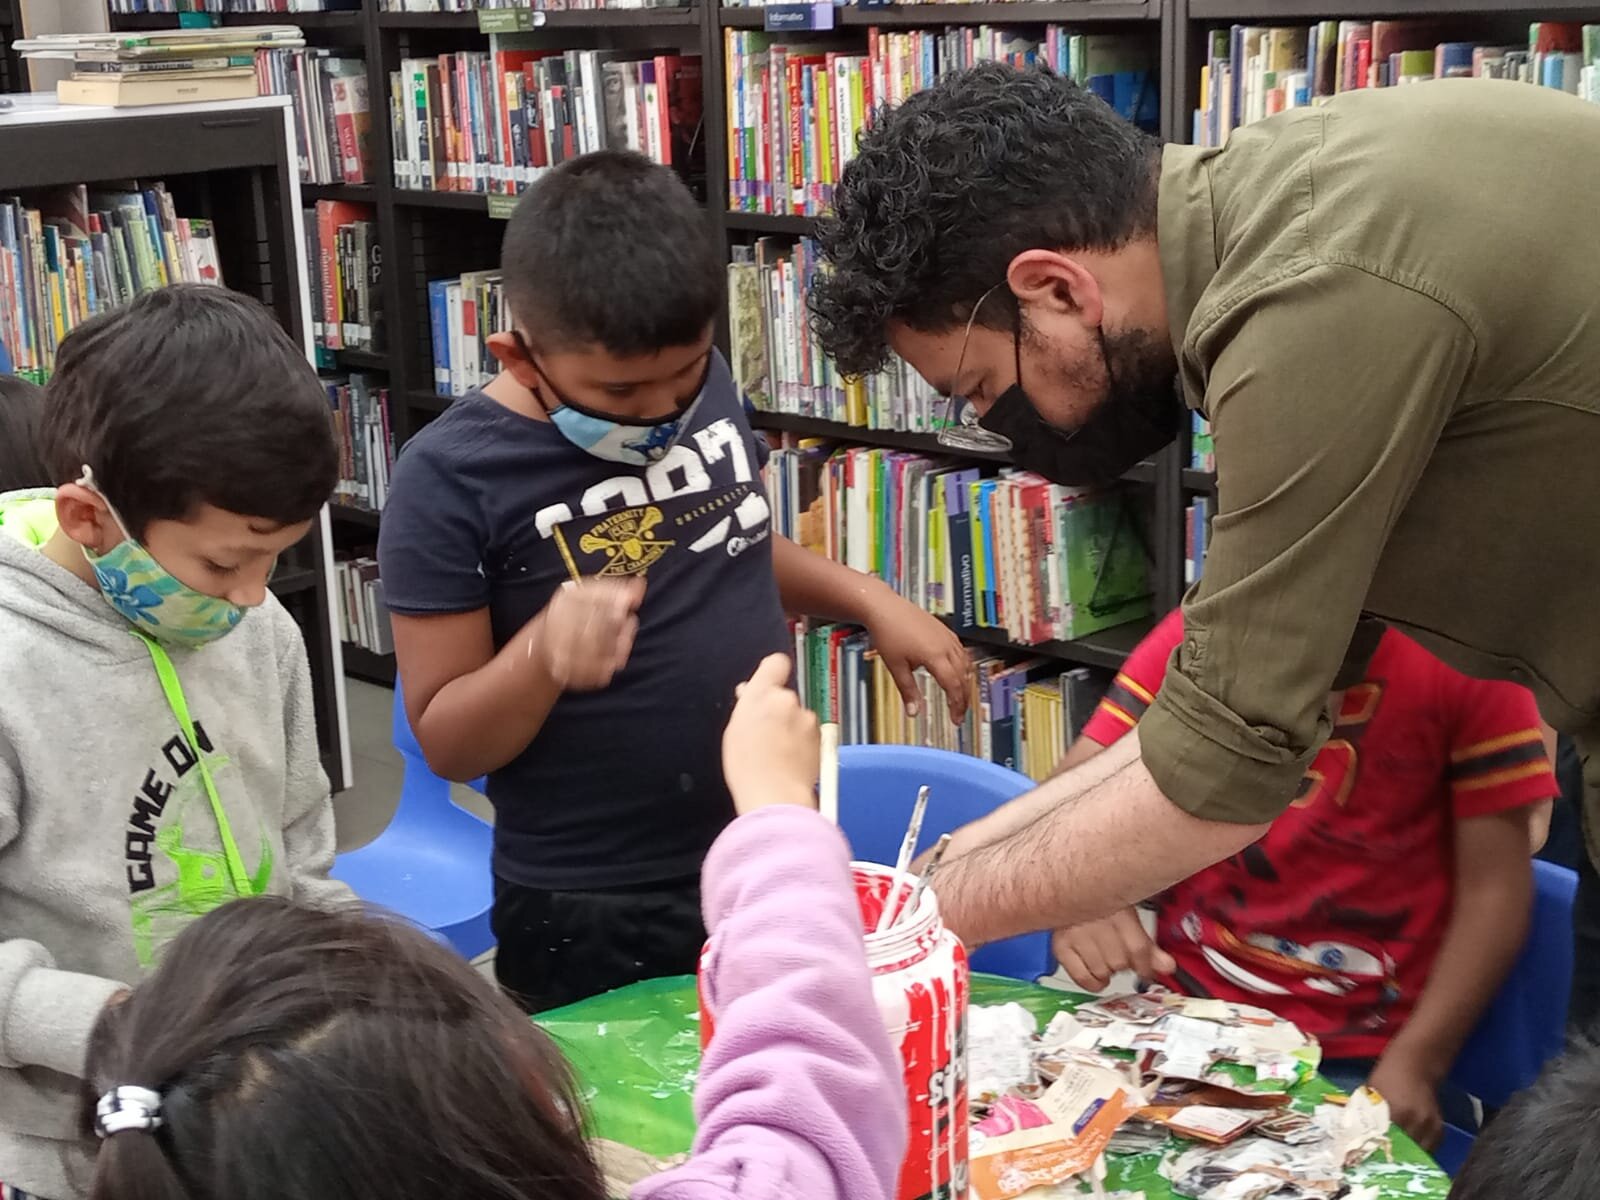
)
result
[(1140, 362)]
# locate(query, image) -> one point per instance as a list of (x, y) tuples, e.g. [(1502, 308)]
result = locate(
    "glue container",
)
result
[(920, 981)]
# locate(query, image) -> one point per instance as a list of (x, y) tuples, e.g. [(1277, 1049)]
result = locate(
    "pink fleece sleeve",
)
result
[(800, 1092)]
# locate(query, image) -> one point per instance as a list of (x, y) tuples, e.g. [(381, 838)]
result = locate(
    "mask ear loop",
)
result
[(527, 353), (87, 480)]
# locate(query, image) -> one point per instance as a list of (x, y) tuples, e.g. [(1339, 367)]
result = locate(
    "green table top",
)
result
[(637, 1052)]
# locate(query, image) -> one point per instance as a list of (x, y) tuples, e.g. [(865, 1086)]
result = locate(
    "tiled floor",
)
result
[(365, 808)]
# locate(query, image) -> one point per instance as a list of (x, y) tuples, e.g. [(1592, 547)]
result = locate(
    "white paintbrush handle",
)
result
[(908, 847), (828, 791)]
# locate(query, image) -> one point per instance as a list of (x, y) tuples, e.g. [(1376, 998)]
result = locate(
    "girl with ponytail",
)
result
[(281, 1053)]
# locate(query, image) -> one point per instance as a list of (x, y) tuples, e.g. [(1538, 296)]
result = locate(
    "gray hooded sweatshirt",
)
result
[(108, 843)]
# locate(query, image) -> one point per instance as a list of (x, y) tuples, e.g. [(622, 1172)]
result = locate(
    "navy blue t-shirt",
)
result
[(490, 509)]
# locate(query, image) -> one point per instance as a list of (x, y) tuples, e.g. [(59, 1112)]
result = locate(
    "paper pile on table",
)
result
[(1123, 1073), (1257, 1167)]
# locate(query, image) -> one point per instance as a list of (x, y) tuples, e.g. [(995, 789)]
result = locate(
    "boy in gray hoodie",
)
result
[(158, 755)]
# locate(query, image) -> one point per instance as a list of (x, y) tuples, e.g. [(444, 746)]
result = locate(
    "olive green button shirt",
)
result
[(1389, 309)]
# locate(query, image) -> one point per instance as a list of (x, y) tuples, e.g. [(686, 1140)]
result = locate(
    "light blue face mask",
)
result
[(634, 442), (150, 597)]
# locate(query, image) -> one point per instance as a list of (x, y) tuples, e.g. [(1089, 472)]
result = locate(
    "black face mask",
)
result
[(1123, 430)]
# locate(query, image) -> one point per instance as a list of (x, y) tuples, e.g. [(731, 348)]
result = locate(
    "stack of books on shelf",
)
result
[(344, 265), (492, 123), (333, 119), (363, 615), (780, 366), (1022, 712), (169, 66), (360, 412), (259, 7), (463, 313), (433, 6), (1196, 535), (1252, 72), (67, 254), (1202, 447), (1029, 560), (795, 110)]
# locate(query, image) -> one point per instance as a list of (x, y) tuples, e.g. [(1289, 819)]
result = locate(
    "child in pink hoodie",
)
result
[(284, 1054)]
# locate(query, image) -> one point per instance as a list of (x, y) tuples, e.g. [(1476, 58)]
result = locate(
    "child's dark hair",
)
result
[(611, 250), (20, 464), (190, 394), (1542, 1145), (307, 1055)]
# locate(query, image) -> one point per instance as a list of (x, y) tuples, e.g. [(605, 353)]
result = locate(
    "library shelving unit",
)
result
[(13, 71), (232, 163), (429, 235)]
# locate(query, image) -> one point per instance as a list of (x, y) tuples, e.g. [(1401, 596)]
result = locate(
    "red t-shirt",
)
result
[(1333, 919)]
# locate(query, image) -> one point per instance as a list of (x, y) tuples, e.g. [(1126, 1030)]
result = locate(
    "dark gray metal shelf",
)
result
[(589, 18), (769, 223), (1023, 12), (894, 439)]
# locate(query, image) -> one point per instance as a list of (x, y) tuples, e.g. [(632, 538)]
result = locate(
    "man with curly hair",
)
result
[(1401, 385)]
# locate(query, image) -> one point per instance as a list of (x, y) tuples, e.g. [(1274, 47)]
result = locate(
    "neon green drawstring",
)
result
[(180, 709)]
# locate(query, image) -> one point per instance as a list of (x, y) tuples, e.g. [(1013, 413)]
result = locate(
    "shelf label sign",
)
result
[(783, 18), (509, 20), (501, 207)]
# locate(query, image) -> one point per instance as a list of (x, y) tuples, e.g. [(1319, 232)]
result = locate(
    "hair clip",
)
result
[(125, 1108)]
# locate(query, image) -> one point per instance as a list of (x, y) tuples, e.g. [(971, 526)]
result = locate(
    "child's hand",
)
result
[(587, 631), (1413, 1096), (772, 747), (1095, 951), (906, 638)]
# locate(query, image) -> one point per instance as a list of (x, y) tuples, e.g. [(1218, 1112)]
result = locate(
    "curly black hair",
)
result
[(953, 184)]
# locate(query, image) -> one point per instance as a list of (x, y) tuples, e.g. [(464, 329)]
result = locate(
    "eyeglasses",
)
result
[(960, 429)]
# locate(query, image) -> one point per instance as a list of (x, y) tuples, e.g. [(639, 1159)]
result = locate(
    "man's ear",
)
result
[(1052, 282), (508, 349), (85, 518)]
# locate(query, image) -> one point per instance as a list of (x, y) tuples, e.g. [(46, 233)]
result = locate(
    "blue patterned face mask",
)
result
[(633, 441), (152, 599)]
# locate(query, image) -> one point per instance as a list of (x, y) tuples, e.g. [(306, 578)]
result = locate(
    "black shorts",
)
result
[(556, 948)]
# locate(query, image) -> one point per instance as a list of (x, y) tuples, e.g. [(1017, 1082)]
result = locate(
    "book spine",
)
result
[(439, 322)]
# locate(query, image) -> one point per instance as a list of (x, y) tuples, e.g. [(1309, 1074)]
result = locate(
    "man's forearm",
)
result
[(1061, 788), (813, 585), (1081, 858)]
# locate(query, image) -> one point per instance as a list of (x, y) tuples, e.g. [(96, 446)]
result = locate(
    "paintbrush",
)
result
[(927, 874), (828, 788), (908, 847)]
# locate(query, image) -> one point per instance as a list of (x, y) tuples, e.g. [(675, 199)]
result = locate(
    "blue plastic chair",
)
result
[(431, 864), (877, 789), (1525, 1026)]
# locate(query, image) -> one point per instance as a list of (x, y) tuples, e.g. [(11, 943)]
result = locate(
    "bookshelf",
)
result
[(232, 163), (428, 235), (13, 71)]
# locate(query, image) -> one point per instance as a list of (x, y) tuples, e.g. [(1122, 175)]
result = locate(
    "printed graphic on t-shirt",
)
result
[(1327, 949), (630, 540), (176, 870)]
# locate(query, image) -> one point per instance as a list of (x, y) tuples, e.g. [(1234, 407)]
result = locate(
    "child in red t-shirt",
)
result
[(1383, 909)]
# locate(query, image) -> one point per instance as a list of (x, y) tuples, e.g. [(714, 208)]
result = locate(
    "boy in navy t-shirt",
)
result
[(581, 567)]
